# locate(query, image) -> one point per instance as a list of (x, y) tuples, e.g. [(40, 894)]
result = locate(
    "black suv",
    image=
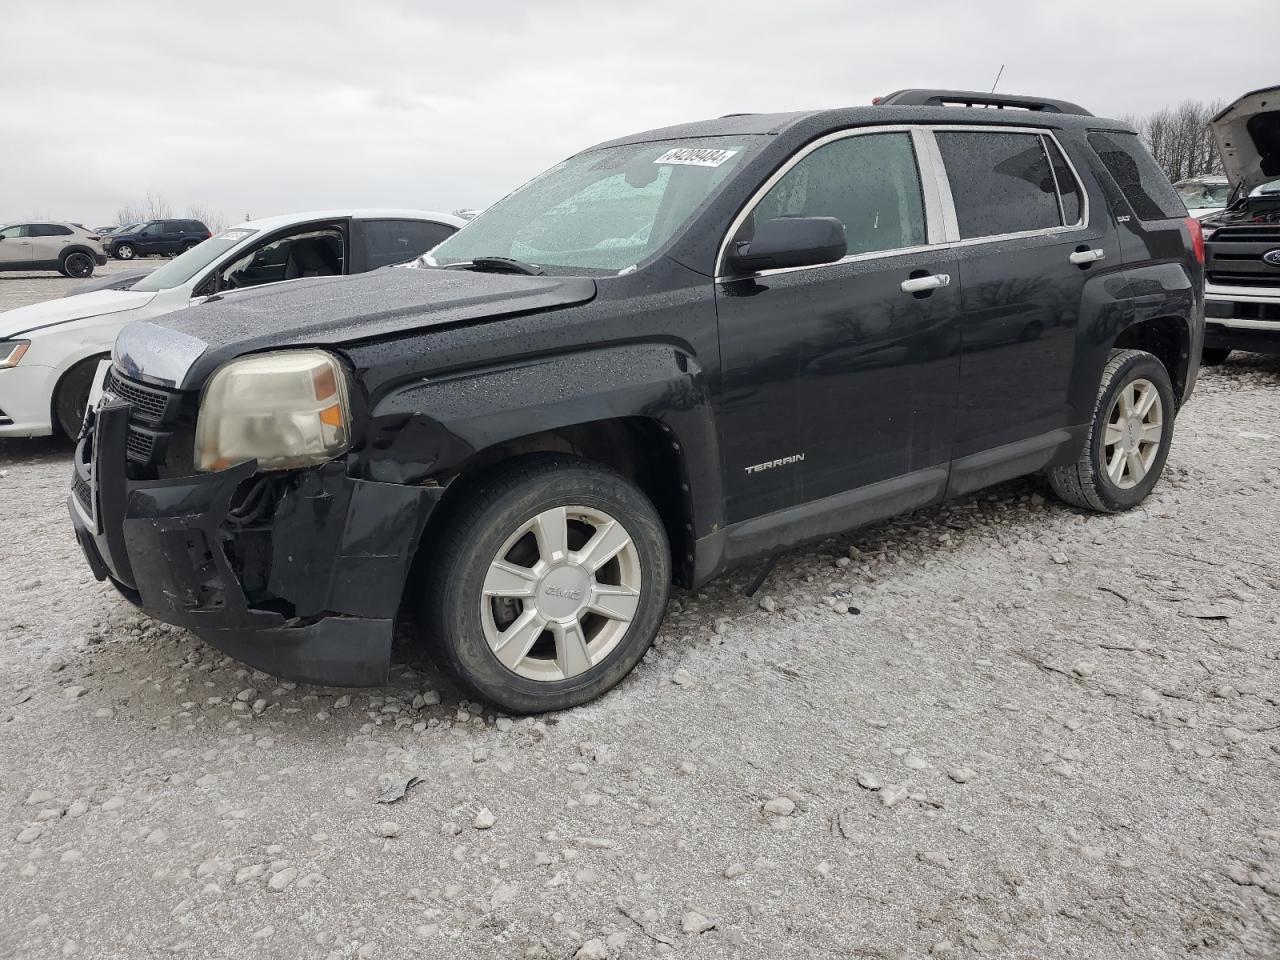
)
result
[(668, 354), (165, 237)]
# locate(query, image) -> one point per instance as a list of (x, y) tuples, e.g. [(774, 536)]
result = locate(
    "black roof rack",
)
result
[(973, 98)]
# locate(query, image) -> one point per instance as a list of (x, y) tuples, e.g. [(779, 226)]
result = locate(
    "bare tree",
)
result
[(1180, 140), (215, 220), (154, 207)]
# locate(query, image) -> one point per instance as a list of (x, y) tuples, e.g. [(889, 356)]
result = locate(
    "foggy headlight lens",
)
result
[(286, 410), (11, 352)]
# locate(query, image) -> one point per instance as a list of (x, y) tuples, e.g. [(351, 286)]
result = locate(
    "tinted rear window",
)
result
[(49, 230), (1138, 176), (1000, 182)]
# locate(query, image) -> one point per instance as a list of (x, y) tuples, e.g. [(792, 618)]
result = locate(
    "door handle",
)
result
[(933, 281), (1081, 257)]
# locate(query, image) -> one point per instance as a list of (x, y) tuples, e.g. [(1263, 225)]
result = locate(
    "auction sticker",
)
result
[(696, 156)]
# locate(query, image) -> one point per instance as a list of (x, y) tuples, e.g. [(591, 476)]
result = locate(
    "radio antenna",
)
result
[(999, 74)]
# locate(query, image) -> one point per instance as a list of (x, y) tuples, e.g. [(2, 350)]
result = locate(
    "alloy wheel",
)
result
[(561, 593), (79, 265), (124, 252), (1134, 432)]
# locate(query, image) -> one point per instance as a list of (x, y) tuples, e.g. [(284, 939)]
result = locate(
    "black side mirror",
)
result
[(789, 242)]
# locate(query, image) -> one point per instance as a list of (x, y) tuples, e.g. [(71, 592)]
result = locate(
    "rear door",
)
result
[(1027, 244), (15, 247), (48, 240)]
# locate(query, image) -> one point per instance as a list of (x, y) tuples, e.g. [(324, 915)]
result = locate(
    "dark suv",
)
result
[(670, 353), (165, 237)]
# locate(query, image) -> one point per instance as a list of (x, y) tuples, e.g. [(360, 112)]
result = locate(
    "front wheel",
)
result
[(548, 584), (72, 396), (1128, 439), (125, 251)]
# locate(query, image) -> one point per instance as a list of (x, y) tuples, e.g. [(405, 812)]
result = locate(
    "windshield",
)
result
[(603, 210), (1197, 195), (1267, 189), (181, 269)]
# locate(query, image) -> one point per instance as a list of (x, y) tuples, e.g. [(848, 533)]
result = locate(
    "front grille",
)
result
[(1264, 234), (140, 446), (149, 403), (1234, 278), (155, 415)]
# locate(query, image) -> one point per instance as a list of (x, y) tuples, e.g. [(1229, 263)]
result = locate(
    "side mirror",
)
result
[(790, 242)]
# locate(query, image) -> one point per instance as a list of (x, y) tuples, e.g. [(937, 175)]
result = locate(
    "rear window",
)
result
[(49, 230), (1138, 176), (1001, 183)]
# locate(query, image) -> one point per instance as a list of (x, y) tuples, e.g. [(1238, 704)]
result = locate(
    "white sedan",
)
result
[(49, 351)]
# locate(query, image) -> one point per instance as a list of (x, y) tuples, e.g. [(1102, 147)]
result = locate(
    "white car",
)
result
[(1204, 196), (49, 351)]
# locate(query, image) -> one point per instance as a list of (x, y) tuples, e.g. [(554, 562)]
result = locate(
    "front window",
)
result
[(1271, 189), (1204, 195), (604, 210), (181, 269)]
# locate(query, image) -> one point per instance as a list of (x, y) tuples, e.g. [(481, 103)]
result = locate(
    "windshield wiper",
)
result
[(509, 264)]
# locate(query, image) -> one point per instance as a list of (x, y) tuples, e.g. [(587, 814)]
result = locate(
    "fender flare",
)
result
[(431, 427), (78, 248)]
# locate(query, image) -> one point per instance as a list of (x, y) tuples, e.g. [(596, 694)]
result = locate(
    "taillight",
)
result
[(1197, 238)]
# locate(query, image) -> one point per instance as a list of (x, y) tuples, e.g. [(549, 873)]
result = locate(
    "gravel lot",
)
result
[(1046, 734)]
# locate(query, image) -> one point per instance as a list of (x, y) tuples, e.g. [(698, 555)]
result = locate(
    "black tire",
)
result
[(124, 251), (457, 560), (72, 396), (190, 245), (1086, 483), (77, 264), (1213, 356)]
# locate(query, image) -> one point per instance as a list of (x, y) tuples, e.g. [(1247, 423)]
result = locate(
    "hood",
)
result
[(112, 281), (1248, 136), (334, 310), (39, 316)]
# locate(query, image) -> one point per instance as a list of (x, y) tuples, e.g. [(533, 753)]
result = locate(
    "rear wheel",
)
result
[(77, 265), (189, 245), (72, 396), (125, 251), (1213, 356), (1128, 439), (548, 584)]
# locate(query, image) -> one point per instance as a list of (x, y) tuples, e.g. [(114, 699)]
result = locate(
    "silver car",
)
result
[(69, 248)]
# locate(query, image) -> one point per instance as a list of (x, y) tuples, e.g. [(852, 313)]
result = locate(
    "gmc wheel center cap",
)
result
[(563, 592)]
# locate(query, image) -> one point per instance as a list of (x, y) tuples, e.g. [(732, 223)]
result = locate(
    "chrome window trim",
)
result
[(939, 205)]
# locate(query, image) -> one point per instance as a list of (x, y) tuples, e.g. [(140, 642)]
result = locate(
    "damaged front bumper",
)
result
[(328, 564)]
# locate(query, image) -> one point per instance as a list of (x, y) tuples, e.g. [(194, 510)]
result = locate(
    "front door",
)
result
[(1029, 243), (836, 377), (15, 247)]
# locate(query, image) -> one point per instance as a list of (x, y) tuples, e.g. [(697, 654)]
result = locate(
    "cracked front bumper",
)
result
[(328, 568)]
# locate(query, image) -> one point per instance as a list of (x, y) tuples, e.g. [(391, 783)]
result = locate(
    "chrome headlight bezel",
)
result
[(286, 409)]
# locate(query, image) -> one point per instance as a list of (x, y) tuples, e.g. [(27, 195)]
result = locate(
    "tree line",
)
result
[(1179, 138), (155, 207)]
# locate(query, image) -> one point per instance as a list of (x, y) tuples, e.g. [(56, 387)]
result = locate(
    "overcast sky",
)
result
[(274, 106)]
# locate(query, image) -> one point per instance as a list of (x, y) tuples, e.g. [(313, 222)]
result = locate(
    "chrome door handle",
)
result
[(1087, 256), (920, 284)]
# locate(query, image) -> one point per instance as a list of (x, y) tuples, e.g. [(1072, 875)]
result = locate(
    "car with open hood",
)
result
[(1242, 242), (666, 355), (49, 351)]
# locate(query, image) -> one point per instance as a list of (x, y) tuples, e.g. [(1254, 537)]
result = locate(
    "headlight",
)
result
[(286, 410), (11, 352)]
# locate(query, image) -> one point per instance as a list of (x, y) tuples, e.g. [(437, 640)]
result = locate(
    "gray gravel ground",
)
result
[(1046, 734)]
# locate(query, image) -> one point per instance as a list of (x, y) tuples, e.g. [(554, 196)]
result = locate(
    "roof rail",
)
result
[(973, 98)]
